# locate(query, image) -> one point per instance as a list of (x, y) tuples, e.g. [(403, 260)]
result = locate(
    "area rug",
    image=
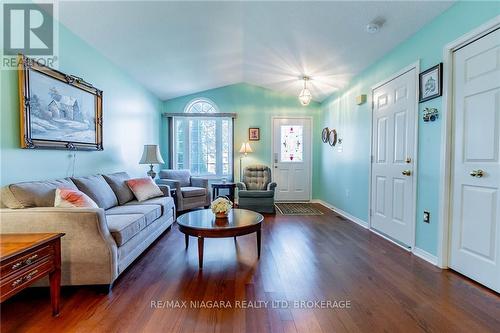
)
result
[(297, 208)]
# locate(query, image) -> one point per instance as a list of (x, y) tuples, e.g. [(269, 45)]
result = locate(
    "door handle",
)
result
[(406, 173), (477, 173)]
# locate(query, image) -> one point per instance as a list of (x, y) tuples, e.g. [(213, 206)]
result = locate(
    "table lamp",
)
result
[(151, 155)]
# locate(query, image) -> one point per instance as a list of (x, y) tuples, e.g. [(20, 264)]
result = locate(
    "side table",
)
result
[(228, 185), (26, 258)]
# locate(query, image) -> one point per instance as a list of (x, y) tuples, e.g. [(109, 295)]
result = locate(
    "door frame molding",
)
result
[(311, 119), (415, 65), (444, 223)]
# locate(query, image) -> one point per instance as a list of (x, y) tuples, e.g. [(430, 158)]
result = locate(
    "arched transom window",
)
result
[(203, 142)]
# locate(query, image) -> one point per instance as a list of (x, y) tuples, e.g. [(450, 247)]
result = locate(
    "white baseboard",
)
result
[(348, 216), (425, 255), (416, 251)]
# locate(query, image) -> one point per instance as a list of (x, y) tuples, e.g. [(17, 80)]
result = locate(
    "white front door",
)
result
[(475, 226), (292, 158), (393, 147)]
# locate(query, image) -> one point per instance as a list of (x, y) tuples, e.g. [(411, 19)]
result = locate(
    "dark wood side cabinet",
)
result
[(26, 258)]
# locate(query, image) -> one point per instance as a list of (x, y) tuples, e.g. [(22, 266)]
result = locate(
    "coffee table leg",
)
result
[(200, 252), (258, 243), (55, 279), (186, 239)]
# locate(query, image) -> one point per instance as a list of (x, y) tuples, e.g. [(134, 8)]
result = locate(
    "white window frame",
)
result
[(187, 140)]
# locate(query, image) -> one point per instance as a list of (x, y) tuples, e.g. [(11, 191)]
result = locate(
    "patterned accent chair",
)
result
[(256, 191), (190, 192)]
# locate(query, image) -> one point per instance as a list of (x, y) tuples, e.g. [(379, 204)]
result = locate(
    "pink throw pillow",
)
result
[(69, 198), (144, 188)]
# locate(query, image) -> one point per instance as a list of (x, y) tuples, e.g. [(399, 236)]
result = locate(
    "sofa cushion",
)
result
[(150, 212), (97, 189), (117, 182), (190, 191), (183, 176), (8, 199), (39, 193), (166, 203), (256, 194), (125, 226)]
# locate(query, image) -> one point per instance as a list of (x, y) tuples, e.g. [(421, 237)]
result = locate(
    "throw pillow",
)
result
[(97, 189), (68, 198), (144, 188), (117, 183)]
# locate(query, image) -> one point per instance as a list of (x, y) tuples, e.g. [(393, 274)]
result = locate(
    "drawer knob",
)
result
[(16, 282)]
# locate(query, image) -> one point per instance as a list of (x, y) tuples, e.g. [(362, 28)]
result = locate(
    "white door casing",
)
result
[(392, 204), (292, 172), (475, 201)]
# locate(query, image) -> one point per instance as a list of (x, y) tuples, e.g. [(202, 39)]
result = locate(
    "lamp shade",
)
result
[(245, 148), (151, 155)]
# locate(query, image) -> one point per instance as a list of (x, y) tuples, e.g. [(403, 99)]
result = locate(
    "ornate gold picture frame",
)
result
[(57, 110)]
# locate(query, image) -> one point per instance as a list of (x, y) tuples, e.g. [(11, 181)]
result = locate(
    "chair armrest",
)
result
[(172, 183), (165, 189), (271, 186), (199, 182), (89, 252), (241, 186)]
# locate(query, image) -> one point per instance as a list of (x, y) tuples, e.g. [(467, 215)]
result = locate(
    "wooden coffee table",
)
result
[(203, 224)]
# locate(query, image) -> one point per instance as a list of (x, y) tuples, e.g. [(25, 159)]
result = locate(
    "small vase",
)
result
[(221, 215)]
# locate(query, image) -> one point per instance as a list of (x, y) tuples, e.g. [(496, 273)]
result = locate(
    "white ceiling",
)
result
[(178, 48)]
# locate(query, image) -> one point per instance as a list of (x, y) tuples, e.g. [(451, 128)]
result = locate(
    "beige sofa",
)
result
[(99, 243)]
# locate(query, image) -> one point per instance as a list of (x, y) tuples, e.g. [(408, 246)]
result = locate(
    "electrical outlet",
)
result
[(427, 217)]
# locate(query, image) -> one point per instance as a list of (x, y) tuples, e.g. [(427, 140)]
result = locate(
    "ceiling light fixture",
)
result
[(374, 26), (305, 95)]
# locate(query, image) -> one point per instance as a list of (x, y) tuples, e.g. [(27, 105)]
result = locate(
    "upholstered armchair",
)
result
[(256, 191), (190, 192)]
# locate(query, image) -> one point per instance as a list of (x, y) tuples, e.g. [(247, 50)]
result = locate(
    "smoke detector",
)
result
[(374, 26)]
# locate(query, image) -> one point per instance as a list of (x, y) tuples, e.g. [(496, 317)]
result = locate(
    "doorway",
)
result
[(292, 158), (392, 186)]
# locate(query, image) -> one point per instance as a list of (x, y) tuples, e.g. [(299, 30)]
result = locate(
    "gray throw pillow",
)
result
[(39, 193), (117, 183), (97, 189)]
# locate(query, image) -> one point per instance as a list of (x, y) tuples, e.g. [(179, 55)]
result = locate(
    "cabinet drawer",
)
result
[(25, 277), (18, 263)]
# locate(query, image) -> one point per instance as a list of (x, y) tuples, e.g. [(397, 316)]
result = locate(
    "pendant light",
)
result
[(305, 95)]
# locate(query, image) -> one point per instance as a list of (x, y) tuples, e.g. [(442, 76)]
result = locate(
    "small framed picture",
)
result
[(431, 83), (254, 134)]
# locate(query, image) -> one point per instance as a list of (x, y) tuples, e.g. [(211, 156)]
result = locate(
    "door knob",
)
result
[(406, 173), (477, 173)]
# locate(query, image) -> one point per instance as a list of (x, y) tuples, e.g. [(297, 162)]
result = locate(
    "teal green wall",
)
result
[(345, 175), (254, 107), (131, 118)]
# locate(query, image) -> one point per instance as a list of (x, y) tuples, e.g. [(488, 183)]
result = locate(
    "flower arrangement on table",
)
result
[(221, 207)]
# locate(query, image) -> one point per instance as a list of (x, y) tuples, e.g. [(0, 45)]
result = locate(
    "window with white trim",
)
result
[(203, 142)]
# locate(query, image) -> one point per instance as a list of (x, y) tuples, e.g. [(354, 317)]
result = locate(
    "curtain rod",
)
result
[(199, 115)]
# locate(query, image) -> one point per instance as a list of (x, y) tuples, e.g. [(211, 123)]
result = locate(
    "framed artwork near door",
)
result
[(431, 83), (253, 134), (57, 110)]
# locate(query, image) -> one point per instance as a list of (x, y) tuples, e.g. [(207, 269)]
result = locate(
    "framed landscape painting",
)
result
[(57, 110)]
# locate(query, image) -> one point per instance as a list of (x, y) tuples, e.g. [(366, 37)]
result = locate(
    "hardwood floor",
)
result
[(304, 258)]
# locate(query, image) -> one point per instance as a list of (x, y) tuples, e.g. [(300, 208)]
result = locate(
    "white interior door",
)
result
[(475, 227), (292, 158), (393, 147)]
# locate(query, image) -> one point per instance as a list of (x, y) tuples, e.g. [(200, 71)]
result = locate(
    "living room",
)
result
[(250, 166)]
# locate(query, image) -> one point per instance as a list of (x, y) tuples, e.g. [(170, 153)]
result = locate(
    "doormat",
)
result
[(297, 208)]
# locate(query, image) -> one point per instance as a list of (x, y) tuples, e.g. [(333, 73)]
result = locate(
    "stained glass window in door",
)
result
[(292, 140)]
